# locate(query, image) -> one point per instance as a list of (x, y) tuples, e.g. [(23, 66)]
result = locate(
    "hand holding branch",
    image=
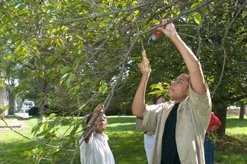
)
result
[(97, 114), (168, 28), (99, 109), (144, 66)]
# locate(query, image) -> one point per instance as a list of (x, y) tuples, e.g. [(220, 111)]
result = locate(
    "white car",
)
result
[(26, 105)]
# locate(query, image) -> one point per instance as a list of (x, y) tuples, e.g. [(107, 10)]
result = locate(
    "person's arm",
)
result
[(98, 111), (196, 74), (214, 128), (138, 105)]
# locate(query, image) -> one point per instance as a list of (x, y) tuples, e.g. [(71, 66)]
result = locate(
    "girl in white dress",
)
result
[(94, 149)]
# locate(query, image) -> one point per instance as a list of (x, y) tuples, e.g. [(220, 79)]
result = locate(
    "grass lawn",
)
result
[(126, 142), (13, 147), (233, 148)]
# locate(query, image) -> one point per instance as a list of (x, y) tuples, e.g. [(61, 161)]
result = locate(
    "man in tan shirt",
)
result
[(149, 136), (180, 124)]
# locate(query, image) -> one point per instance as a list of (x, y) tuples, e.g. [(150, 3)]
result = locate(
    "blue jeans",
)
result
[(208, 151)]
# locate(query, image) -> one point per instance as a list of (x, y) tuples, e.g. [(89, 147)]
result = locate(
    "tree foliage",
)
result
[(73, 55)]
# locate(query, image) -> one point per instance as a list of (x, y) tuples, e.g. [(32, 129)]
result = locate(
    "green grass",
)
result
[(230, 158), (236, 126), (13, 147), (125, 141), (233, 149)]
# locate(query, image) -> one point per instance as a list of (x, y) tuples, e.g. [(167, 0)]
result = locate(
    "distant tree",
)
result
[(242, 108)]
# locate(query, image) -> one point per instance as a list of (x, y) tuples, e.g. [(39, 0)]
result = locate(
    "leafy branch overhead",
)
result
[(71, 55)]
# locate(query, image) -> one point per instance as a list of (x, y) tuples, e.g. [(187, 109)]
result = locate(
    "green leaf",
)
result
[(157, 92), (103, 87), (63, 78), (40, 134), (166, 85), (65, 69), (195, 4), (52, 115), (4, 109), (79, 37), (64, 28), (36, 128), (197, 18), (68, 83), (101, 24), (136, 12), (157, 86), (72, 77), (21, 49), (134, 3)]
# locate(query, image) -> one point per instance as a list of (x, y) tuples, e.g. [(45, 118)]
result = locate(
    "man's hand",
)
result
[(144, 66), (168, 28)]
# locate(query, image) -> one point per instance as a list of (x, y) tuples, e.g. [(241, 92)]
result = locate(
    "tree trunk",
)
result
[(242, 110), (221, 111), (11, 103)]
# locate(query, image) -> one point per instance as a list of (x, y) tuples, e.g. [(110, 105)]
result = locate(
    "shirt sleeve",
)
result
[(201, 107), (151, 116), (139, 124), (201, 103)]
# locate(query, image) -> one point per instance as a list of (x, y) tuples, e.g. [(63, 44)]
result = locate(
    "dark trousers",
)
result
[(208, 151)]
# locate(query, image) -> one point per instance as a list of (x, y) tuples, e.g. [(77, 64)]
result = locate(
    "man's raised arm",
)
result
[(138, 105), (196, 74)]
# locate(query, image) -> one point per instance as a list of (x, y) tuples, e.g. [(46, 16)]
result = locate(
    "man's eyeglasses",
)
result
[(177, 81)]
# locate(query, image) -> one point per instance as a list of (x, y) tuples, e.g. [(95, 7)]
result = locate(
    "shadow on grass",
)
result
[(230, 158), (127, 147), (235, 122), (20, 153), (16, 152), (232, 144), (125, 140)]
